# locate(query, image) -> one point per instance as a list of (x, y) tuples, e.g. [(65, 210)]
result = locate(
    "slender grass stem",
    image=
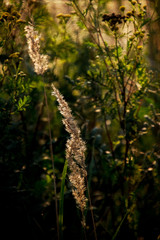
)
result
[(52, 159), (118, 229), (61, 202), (92, 215)]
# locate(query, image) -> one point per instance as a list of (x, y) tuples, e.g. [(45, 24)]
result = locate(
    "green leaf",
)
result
[(146, 21), (23, 103), (1, 43), (81, 25), (90, 44)]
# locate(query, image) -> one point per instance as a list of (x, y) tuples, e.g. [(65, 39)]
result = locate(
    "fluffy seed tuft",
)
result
[(40, 61), (75, 152)]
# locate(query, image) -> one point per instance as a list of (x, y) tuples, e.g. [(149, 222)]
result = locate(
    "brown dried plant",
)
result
[(75, 146), (75, 153), (40, 62)]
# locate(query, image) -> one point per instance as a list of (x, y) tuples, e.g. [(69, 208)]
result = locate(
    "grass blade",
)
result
[(61, 202), (118, 229)]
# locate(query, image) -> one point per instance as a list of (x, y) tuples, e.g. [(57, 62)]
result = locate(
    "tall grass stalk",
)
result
[(119, 227), (75, 146), (75, 154), (40, 62)]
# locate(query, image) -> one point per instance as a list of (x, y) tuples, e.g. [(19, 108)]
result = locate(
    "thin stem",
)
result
[(80, 14), (126, 153), (121, 72), (109, 137), (90, 203), (83, 224), (114, 85), (117, 231), (125, 102), (38, 121), (61, 202), (51, 155)]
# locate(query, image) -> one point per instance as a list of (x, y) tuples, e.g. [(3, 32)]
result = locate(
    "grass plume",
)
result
[(75, 153), (40, 62), (75, 146)]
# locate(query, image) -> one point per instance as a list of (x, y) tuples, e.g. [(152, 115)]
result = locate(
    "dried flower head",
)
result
[(133, 2), (139, 47), (63, 15), (40, 61), (75, 152), (129, 13), (122, 8)]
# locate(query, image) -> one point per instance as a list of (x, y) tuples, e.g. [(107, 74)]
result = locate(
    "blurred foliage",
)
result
[(98, 63)]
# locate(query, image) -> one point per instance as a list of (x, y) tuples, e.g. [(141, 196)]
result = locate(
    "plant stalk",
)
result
[(52, 159)]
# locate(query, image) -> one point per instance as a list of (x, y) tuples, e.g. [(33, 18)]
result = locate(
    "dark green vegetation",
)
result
[(98, 62)]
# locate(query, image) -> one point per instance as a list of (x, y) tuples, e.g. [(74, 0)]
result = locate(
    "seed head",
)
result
[(40, 61)]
